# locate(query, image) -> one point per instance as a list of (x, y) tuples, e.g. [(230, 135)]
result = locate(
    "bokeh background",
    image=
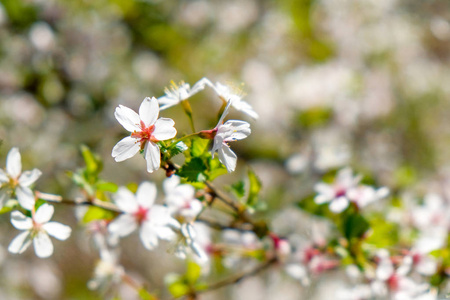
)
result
[(336, 83)]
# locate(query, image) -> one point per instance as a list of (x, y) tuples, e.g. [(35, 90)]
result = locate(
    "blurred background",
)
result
[(336, 83)]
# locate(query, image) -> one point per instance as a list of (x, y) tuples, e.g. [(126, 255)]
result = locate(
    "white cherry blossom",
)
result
[(180, 198), (146, 129), (37, 230), (227, 94), (175, 94), (14, 181), (108, 272), (223, 133), (337, 193), (139, 211), (195, 240)]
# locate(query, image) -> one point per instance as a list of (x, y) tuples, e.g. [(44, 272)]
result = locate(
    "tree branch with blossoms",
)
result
[(204, 223)]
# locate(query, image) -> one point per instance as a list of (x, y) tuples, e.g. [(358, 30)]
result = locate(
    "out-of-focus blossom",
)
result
[(337, 193), (421, 262), (14, 181), (394, 282), (196, 241), (37, 230), (241, 245), (139, 210), (180, 198), (175, 94), (146, 129), (107, 272), (363, 195)]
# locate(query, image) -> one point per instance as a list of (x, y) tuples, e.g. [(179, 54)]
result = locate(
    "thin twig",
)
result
[(78, 201), (240, 277)]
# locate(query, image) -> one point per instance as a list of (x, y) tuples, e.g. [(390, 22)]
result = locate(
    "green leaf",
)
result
[(238, 188), (193, 170), (199, 147), (173, 150), (145, 295), (355, 226), (216, 168), (193, 272), (105, 186), (384, 234), (96, 213), (80, 180), (93, 163), (176, 285), (254, 188)]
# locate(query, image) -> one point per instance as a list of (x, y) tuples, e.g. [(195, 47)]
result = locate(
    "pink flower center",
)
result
[(339, 192), (141, 214), (146, 134), (393, 282)]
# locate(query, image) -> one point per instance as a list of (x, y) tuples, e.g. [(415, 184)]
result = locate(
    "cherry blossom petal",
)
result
[(152, 156), (57, 230), (427, 265), (29, 177), (123, 225), (43, 246), (227, 157), (125, 200), (25, 197), (339, 205), (44, 213), (125, 148), (3, 177), (384, 270), (165, 233), (20, 243), (14, 163), (146, 194), (128, 118), (170, 183), (164, 129), (234, 130), (20, 221), (246, 108), (149, 111), (321, 199), (148, 237)]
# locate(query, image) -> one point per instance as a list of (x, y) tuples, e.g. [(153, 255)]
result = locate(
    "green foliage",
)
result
[(314, 117), (254, 188), (384, 234), (95, 213), (238, 189), (194, 170), (355, 226), (172, 150), (181, 285)]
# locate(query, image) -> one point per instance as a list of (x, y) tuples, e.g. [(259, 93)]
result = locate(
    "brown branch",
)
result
[(78, 201), (240, 277)]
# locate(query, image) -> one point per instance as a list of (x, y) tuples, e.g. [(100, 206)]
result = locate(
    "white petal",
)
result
[(148, 237), (321, 199), (125, 148), (227, 157), (427, 265), (246, 108), (170, 183), (338, 205), (20, 221), (125, 200), (384, 269), (123, 225), (43, 246), (13, 162), (3, 177), (165, 233), (25, 197), (234, 130), (29, 177), (44, 213), (128, 118), (225, 112), (146, 194), (57, 230), (200, 85), (20, 243), (149, 111), (152, 156), (164, 129)]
